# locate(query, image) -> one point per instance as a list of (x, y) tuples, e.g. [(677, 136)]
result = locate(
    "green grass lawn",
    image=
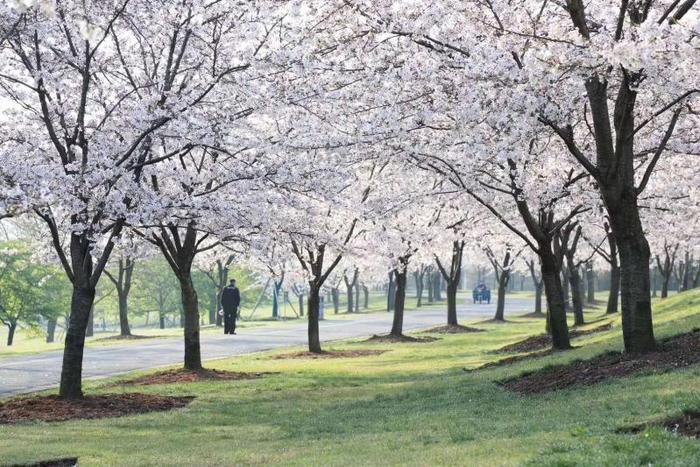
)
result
[(413, 405)]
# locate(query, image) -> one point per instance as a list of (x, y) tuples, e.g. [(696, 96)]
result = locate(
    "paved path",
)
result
[(42, 371)]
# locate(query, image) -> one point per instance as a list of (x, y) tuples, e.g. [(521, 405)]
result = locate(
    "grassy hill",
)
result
[(414, 404)]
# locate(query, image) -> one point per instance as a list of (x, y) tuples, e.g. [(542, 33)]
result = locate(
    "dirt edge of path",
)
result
[(181, 375), (452, 329), (329, 354)]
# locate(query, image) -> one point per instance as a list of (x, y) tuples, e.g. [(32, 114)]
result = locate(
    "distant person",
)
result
[(230, 301)]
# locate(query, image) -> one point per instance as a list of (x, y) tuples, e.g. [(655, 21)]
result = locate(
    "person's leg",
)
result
[(227, 323), (233, 322)]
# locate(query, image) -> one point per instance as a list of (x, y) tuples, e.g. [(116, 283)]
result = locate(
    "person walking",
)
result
[(230, 301)]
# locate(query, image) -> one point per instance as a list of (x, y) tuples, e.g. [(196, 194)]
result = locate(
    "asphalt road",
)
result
[(42, 371)]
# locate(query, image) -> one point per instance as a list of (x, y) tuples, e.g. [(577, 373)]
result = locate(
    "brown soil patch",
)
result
[(543, 341), (452, 329), (688, 424), (391, 339), (65, 462), (55, 409), (677, 352), (180, 375), (494, 321), (511, 360), (533, 315), (126, 338), (332, 354)]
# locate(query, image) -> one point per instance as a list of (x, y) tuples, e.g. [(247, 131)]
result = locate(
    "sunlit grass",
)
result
[(413, 405)]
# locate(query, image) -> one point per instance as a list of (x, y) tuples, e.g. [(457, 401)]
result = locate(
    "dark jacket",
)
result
[(230, 297)]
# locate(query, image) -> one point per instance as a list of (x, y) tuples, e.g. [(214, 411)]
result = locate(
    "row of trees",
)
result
[(321, 137)]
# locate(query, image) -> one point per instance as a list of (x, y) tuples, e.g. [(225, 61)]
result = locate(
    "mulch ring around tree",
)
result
[(64, 462), (511, 360), (181, 375), (452, 329), (687, 424), (329, 354), (130, 337), (55, 409), (392, 339), (543, 341), (676, 352)]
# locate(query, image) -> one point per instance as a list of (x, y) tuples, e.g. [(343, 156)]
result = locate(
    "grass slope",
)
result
[(414, 405)]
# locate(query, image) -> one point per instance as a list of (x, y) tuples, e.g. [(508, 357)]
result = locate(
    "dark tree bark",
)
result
[(357, 296), (50, 330), (538, 284), (300, 298), (576, 295), (349, 286), (90, 331), (568, 240), (614, 174), (683, 272), (400, 297), (313, 304), (437, 286), (502, 274), (390, 293), (452, 277), (312, 262), (419, 276), (365, 289), (551, 277), (335, 295), (276, 289), (122, 282), (590, 283), (72, 369), (180, 249), (429, 275), (11, 327), (666, 268)]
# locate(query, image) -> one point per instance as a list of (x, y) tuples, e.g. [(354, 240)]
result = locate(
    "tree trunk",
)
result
[(664, 285), (161, 320), (429, 285), (590, 282), (390, 294), (72, 368), (576, 296), (193, 357), (366, 291), (300, 297), (11, 333), (357, 297), (351, 298), (335, 297), (50, 331), (124, 328), (551, 277), (539, 288), (452, 303), (418, 276), (564, 279), (313, 303), (399, 302), (437, 285), (501, 303)]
